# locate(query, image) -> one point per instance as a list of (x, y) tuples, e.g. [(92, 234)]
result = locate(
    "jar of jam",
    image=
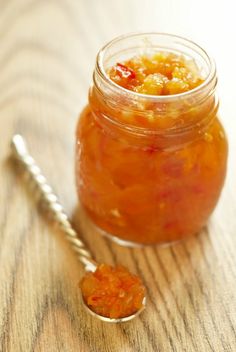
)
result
[(151, 152)]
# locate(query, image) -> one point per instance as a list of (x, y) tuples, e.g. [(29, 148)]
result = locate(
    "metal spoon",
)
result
[(47, 195)]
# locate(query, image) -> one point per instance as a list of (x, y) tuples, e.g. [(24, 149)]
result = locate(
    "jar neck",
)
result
[(162, 138), (164, 121)]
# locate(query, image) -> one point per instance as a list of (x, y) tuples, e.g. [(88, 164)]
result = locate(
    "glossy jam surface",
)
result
[(112, 292), (150, 171), (159, 74)]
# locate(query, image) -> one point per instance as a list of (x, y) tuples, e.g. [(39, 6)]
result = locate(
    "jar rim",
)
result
[(157, 98)]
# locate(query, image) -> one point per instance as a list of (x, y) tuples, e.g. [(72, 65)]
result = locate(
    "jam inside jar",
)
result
[(150, 168)]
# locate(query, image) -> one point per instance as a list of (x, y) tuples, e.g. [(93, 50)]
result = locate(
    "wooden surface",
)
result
[(47, 56)]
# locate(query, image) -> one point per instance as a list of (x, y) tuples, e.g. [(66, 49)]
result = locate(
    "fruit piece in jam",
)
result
[(112, 292)]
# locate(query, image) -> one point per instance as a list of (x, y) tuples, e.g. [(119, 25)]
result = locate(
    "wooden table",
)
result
[(47, 56)]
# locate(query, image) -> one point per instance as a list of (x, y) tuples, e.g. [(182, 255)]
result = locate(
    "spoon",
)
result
[(47, 195)]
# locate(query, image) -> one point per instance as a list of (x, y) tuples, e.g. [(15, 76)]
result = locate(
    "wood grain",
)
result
[(47, 55)]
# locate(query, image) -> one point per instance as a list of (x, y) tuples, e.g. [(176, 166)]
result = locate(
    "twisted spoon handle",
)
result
[(48, 196)]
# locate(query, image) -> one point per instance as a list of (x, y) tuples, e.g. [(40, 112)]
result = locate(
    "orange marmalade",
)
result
[(161, 74), (112, 292), (151, 153)]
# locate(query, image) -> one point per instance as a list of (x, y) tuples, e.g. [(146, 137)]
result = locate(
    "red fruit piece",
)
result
[(124, 71)]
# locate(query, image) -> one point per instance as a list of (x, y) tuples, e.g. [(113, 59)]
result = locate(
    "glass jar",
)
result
[(150, 169)]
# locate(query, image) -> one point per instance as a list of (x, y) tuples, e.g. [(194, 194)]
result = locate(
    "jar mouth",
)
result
[(106, 53)]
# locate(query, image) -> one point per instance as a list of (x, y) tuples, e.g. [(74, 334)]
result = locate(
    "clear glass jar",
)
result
[(159, 182)]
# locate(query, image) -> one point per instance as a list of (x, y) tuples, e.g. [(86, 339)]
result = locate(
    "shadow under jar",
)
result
[(150, 168)]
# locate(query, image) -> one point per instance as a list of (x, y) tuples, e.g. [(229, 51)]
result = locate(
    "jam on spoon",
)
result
[(112, 292)]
